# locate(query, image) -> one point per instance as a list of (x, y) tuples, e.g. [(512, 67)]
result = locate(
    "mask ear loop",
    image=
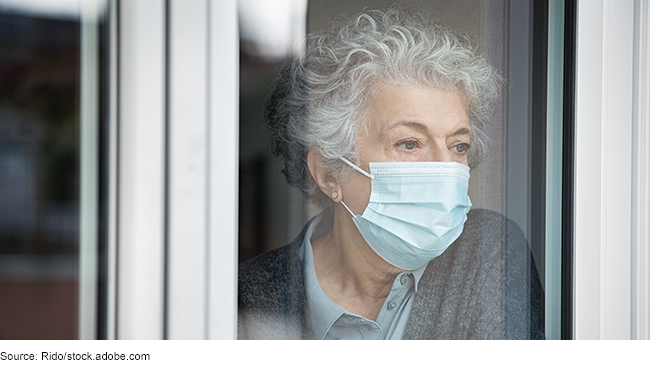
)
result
[(346, 207), (358, 169)]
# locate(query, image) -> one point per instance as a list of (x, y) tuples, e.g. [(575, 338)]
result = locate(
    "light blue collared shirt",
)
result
[(331, 322)]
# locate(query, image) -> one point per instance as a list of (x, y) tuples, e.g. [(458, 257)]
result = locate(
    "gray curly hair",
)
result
[(319, 101)]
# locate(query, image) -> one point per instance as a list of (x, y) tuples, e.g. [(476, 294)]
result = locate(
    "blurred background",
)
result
[(39, 168)]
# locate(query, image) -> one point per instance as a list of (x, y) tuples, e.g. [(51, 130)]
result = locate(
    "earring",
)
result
[(334, 194)]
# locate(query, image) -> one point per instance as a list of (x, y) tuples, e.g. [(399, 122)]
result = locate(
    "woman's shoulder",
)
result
[(272, 266), (491, 223), (275, 264), (271, 300), (489, 233)]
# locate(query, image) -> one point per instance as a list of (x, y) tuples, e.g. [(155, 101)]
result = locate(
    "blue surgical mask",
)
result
[(416, 210)]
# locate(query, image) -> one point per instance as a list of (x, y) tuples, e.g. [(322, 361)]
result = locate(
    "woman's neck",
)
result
[(349, 271)]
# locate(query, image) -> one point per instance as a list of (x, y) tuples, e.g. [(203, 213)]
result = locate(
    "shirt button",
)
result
[(391, 306), (403, 279)]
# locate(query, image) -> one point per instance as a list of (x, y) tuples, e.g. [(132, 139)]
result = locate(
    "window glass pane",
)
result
[(506, 188), (269, 211)]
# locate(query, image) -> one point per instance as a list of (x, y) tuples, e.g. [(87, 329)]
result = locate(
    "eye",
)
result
[(461, 148), (408, 145)]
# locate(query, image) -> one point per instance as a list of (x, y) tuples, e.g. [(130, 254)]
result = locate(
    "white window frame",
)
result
[(139, 275), (641, 176), (611, 171), (177, 161)]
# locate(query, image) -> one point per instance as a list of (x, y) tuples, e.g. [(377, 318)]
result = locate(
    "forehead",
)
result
[(414, 105)]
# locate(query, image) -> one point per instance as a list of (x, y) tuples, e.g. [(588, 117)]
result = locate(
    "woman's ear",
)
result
[(324, 181)]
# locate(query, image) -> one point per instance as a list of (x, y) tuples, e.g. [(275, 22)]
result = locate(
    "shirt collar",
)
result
[(417, 275)]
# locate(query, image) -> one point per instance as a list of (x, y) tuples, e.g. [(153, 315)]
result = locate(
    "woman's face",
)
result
[(409, 123)]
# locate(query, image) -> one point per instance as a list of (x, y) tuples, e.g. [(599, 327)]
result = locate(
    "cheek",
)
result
[(356, 192)]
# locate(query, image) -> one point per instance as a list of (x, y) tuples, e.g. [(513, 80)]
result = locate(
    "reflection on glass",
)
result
[(39, 170)]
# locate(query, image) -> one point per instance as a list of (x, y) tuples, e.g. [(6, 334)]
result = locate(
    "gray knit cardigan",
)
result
[(485, 286)]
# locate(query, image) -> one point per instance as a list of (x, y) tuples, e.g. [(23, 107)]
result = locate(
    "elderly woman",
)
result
[(379, 123)]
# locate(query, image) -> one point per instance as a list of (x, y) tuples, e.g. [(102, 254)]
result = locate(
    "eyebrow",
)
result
[(462, 131), (424, 129)]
